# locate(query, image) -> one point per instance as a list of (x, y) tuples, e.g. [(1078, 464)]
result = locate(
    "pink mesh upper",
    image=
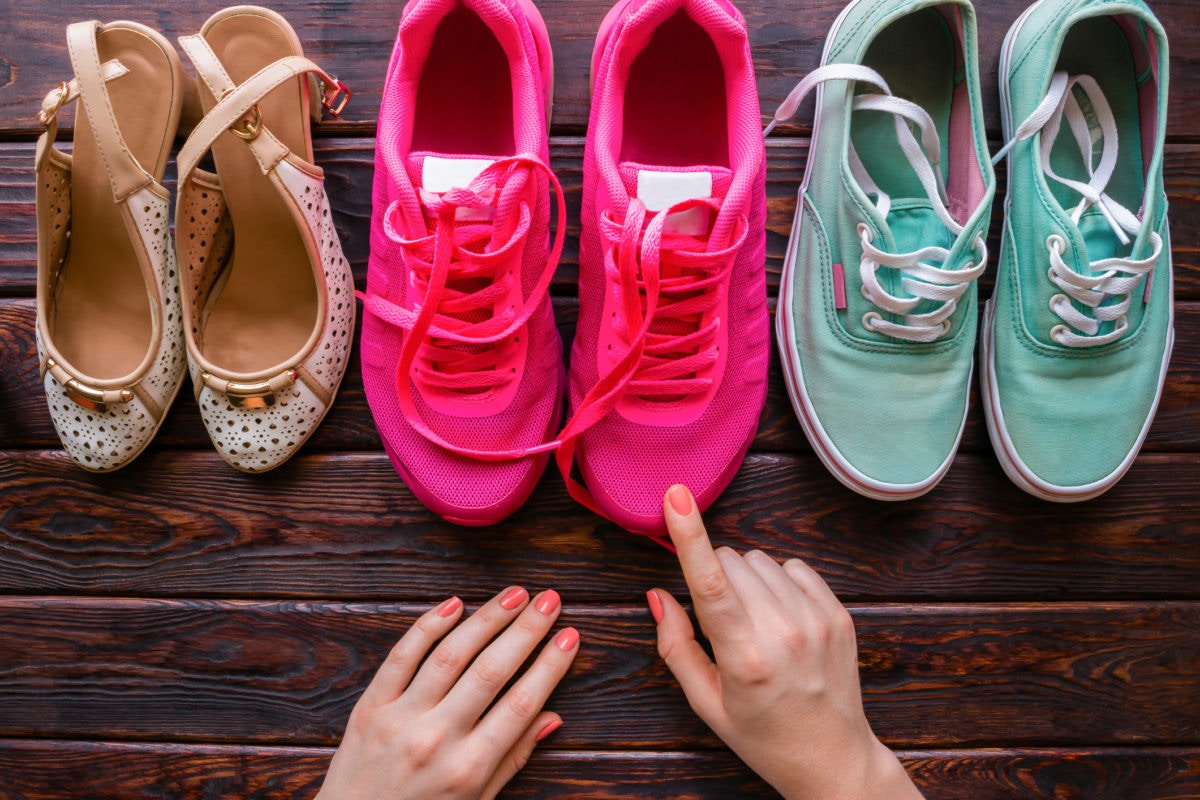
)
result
[(627, 465), (461, 488)]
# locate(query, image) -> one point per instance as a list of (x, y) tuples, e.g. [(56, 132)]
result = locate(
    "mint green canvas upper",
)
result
[(1075, 416), (892, 409)]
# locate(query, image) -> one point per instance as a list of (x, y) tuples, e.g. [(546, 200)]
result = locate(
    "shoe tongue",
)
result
[(662, 187), (438, 173)]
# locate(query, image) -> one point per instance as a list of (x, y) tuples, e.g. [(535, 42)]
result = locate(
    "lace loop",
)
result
[(455, 352), (1105, 295), (920, 280)]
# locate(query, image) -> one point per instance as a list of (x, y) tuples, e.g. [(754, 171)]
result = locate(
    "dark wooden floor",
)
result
[(182, 630)]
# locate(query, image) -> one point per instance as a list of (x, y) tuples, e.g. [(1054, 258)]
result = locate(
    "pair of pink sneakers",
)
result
[(462, 360)]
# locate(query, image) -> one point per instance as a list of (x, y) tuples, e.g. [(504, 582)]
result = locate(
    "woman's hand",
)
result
[(420, 730), (784, 692)]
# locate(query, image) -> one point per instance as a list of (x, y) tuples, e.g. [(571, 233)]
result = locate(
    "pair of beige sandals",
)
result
[(256, 299)]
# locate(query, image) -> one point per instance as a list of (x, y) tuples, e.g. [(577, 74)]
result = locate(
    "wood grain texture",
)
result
[(184, 524), (39, 770), (354, 41), (349, 165), (1062, 674), (349, 426)]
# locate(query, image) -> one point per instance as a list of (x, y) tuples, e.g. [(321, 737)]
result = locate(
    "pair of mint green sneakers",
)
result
[(877, 312)]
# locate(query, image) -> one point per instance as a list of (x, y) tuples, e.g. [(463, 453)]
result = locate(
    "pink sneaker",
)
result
[(461, 359), (669, 366)]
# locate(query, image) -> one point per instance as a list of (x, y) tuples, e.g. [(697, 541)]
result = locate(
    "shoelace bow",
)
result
[(1108, 291), (668, 282), (459, 270), (921, 280)]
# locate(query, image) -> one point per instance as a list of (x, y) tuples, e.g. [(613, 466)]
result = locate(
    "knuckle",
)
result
[(489, 672), (521, 703), (445, 658), (420, 747), (714, 587), (755, 670)]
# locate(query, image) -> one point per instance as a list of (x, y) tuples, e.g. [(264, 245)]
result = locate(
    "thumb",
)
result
[(517, 757), (691, 666)]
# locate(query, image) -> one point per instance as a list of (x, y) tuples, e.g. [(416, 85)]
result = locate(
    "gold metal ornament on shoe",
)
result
[(248, 129)]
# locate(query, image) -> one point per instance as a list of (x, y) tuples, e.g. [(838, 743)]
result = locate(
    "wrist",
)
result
[(888, 780)]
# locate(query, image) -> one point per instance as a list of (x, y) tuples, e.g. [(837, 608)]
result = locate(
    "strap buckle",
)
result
[(51, 108), (335, 97)]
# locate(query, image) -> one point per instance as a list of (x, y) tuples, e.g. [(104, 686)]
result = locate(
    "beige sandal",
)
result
[(109, 327), (268, 295)]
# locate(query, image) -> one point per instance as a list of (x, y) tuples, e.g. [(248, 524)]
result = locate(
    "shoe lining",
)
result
[(1098, 47), (676, 110), (465, 98), (101, 322), (267, 308)]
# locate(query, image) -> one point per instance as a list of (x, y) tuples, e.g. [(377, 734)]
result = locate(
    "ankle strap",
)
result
[(236, 108), (125, 174)]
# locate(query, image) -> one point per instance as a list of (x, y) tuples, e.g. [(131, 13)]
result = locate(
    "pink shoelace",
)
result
[(462, 270), (668, 282)]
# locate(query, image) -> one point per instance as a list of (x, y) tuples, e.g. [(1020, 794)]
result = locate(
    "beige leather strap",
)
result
[(234, 104), (125, 174), (67, 92), (59, 96)]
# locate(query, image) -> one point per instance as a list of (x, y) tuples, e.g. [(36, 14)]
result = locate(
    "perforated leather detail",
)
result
[(205, 242), (261, 439), (54, 206), (107, 441)]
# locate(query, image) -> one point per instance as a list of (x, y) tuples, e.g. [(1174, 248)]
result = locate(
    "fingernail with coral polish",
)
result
[(512, 598), (548, 602), (656, 608), (680, 499), (449, 607), (549, 729), (567, 640)]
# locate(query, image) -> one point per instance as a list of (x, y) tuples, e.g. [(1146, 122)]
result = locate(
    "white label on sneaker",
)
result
[(440, 175), (659, 190)]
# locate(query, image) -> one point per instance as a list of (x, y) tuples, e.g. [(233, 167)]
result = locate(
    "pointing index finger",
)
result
[(716, 601)]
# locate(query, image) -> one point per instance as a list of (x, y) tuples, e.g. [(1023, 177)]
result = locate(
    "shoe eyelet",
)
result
[(865, 292), (1057, 333), (864, 232), (1054, 301), (869, 319), (1051, 274), (1055, 240)]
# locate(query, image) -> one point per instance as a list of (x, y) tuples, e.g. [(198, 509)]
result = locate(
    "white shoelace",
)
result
[(921, 279), (1111, 278)]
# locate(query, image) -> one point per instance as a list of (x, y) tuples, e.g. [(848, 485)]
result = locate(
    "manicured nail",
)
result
[(512, 598), (567, 639), (548, 602), (449, 607), (550, 728), (680, 499), (656, 608)]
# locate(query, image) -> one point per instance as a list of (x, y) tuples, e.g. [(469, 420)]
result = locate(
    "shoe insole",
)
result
[(465, 98), (916, 56), (675, 104), (102, 323), (1098, 47), (267, 308)]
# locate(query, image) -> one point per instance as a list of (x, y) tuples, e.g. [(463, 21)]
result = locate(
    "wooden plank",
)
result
[(356, 46), (1067, 674), (50, 770), (349, 165), (349, 426), (345, 526)]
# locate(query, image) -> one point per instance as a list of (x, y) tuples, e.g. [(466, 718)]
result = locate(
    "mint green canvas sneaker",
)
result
[(877, 307), (1078, 334)]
